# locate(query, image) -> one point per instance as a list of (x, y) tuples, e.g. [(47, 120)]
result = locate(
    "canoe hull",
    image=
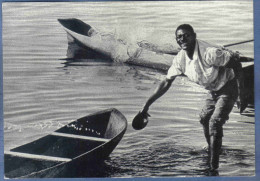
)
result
[(40, 159)]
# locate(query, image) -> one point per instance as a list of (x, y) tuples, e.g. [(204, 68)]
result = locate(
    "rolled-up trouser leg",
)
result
[(223, 107), (206, 114)]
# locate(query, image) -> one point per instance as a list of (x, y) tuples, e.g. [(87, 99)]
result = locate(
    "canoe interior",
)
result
[(16, 166), (58, 146), (76, 25), (67, 143), (104, 125)]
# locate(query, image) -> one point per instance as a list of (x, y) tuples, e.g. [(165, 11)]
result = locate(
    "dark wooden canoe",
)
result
[(70, 150)]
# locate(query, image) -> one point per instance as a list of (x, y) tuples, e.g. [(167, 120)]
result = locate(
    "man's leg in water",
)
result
[(214, 114), (223, 107)]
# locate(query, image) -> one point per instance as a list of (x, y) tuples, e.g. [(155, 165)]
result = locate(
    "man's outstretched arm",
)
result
[(159, 91)]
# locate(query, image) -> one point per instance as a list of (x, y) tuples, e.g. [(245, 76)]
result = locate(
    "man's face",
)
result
[(186, 39)]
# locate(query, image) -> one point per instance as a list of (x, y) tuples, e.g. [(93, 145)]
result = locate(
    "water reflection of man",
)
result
[(215, 69)]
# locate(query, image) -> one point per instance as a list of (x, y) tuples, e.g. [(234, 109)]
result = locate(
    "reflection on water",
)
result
[(43, 92)]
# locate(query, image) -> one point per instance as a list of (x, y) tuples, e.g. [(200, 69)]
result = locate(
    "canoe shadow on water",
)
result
[(105, 62), (94, 170), (86, 62)]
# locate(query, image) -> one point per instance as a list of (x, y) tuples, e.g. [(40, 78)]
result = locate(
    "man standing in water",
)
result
[(215, 69)]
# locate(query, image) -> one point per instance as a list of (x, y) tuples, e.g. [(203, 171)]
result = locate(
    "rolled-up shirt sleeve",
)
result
[(175, 68), (217, 56)]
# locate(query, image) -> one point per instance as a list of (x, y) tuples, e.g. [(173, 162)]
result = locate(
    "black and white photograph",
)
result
[(128, 89)]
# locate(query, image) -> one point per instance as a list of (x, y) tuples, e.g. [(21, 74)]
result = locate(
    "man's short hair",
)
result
[(185, 27)]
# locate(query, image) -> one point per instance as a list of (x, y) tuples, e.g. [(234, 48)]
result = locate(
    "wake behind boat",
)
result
[(70, 150)]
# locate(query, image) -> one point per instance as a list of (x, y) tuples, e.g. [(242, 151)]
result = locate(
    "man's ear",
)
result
[(195, 35)]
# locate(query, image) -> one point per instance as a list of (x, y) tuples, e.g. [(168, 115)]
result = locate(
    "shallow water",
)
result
[(42, 92)]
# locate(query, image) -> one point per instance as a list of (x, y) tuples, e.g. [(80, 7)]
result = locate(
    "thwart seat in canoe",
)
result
[(69, 150)]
